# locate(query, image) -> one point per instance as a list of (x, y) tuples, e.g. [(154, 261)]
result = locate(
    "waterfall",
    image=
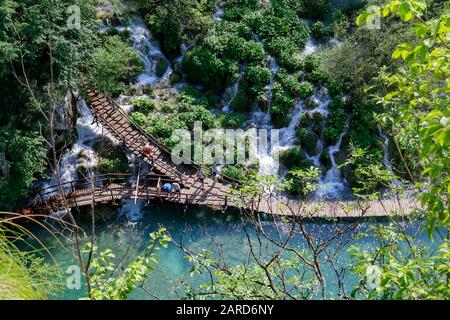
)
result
[(273, 67), (331, 185), (218, 14), (150, 53), (231, 93), (386, 160), (82, 153), (310, 47)]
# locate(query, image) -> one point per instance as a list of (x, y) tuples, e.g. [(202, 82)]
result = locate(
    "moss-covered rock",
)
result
[(161, 67)]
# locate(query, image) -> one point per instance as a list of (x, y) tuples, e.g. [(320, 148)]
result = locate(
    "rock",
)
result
[(84, 154), (325, 160)]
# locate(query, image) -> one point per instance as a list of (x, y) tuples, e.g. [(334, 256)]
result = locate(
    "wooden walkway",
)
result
[(134, 138), (116, 187), (112, 188)]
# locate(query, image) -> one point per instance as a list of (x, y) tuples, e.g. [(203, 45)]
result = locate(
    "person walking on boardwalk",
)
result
[(177, 189), (149, 151), (201, 177)]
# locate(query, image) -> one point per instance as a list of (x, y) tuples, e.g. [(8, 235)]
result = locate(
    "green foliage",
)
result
[(319, 31), (418, 93), (368, 172), (307, 140), (241, 103), (24, 276), (175, 21), (335, 123), (294, 158), (386, 273), (257, 78), (110, 283), (302, 181), (161, 67), (231, 120), (234, 172), (112, 65), (143, 104), (25, 156), (281, 105)]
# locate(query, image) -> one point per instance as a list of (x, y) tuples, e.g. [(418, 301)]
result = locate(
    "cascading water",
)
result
[(310, 47), (82, 153), (231, 93), (150, 53), (274, 67), (386, 160), (218, 14), (331, 185)]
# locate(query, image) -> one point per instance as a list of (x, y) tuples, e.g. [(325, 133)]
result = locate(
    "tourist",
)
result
[(149, 151), (201, 177), (177, 189), (167, 187)]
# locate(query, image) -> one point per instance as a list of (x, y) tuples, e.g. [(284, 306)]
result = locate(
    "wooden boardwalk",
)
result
[(134, 138), (216, 193)]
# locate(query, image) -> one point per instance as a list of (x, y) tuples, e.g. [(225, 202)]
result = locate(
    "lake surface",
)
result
[(199, 228)]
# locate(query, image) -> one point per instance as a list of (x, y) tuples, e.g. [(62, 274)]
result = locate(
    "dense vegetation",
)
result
[(393, 80)]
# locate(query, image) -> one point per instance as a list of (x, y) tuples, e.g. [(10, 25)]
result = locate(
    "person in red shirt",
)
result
[(148, 150)]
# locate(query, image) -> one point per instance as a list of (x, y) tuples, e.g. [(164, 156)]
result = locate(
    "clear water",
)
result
[(197, 227)]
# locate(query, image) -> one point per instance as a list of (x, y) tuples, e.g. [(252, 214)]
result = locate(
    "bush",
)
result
[(319, 31), (231, 120), (307, 140), (257, 78), (138, 118), (241, 103), (113, 65), (175, 78), (335, 125), (143, 104), (311, 63), (306, 89), (234, 172), (292, 157)]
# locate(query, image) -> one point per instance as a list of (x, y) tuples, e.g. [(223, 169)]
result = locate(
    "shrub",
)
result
[(306, 89), (257, 78), (231, 120), (311, 63), (307, 140), (292, 157), (138, 118), (143, 104), (234, 172), (319, 31), (241, 103)]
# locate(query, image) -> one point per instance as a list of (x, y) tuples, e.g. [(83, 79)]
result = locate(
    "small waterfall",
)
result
[(267, 163), (287, 135), (316, 158), (274, 67), (231, 93), (218, 14), (150, 53), (310, 47), (322, 99), (82, 153), (331, 185), (386, 160)]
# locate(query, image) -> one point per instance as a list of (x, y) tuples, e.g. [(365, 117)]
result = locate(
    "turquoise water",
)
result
[(199, 228)]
